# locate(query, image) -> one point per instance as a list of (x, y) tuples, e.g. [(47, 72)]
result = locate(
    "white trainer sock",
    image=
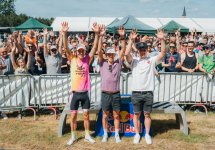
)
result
[(105, 132), (116, 132)]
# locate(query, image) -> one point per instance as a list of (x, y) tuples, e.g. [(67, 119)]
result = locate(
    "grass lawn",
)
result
[(43, 134)]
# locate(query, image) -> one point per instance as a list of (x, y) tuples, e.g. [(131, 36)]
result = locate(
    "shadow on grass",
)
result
[(163, 126)]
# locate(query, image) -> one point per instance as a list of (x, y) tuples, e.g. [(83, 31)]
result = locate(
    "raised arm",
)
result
[(177, 39), (65, 28), (58, 40), (132, 36), (95, 45), (102, 32), (163, 52), (20, 38), (121, 32), (15, 34), (13, 57), (60, 45), (29, 58), (45, 32), (191, 36), (37, 38)]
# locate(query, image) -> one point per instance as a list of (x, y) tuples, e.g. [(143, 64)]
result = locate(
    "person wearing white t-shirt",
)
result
[(143, 81)]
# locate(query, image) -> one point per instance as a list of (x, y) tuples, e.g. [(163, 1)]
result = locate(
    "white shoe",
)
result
[(148, 139), (117, 139), (88, 138), (72, 140), (105, 138), (136, 138)]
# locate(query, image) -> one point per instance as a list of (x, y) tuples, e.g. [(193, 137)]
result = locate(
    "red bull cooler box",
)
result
[(126, 116)]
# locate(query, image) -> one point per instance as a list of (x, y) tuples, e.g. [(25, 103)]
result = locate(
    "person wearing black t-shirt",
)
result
[(64, 62)]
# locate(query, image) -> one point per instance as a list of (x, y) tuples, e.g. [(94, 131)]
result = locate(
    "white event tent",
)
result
[(84, 24)]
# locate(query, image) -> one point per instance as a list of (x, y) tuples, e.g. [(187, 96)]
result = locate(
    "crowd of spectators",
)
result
[(38, 53)]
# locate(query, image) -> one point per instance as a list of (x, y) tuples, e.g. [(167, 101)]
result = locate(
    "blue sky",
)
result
[(116, 8)]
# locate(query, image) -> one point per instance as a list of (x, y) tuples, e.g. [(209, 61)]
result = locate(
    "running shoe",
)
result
[(72, 141), (148, 139), (88, 138), (136, 139), (117, 139), (105, 138)]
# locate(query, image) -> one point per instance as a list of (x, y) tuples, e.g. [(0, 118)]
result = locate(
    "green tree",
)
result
[(7, 7)]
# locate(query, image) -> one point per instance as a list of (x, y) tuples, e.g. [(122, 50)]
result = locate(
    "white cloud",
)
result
[(152, 12), (156, 11), (191, 10), (145, 1)]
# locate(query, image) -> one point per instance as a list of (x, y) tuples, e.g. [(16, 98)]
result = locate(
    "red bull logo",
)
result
[(124, 116), (123, 127)]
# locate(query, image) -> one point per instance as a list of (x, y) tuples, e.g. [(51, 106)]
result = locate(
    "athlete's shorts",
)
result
[(77, 97), (142, 101), (111, 100)]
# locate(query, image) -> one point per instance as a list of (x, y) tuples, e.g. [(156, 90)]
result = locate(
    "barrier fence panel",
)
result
[(23, 91), (183, 88), (53, 90), (212, 92), (16, 92)]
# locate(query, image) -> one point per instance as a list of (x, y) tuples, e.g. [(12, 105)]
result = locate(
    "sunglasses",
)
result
[(4, 52), (201, 44), (172, 46), (30, 46), (185, 45), (110, 68), (149, 45), (205, 48), (53, 50)]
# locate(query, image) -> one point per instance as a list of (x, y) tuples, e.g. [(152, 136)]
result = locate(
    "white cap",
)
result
[(53, 47), (81, 46)]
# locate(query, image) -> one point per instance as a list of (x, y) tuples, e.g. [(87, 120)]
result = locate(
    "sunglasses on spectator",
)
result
[(201, 44), (149, 45), (110, 68), (4, 52), (159, 47), (172, 46), (30, 46), (53, 50), (205, 48), (185, 45)]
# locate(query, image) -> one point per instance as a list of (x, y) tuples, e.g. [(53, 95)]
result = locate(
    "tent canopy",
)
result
[(116, 20), (31, 23), (130, 22), (172, 26)]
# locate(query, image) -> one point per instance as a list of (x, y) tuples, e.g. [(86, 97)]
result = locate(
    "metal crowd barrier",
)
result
[(55, 90), (182, 88), (17, 92), (52, 91)]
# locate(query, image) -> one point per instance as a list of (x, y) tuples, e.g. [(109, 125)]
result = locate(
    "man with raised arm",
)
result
[(110, 76), (143, 81), (80, 82), (52, 59)]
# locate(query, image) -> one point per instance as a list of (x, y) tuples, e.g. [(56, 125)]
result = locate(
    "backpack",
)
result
[(203, 57)]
